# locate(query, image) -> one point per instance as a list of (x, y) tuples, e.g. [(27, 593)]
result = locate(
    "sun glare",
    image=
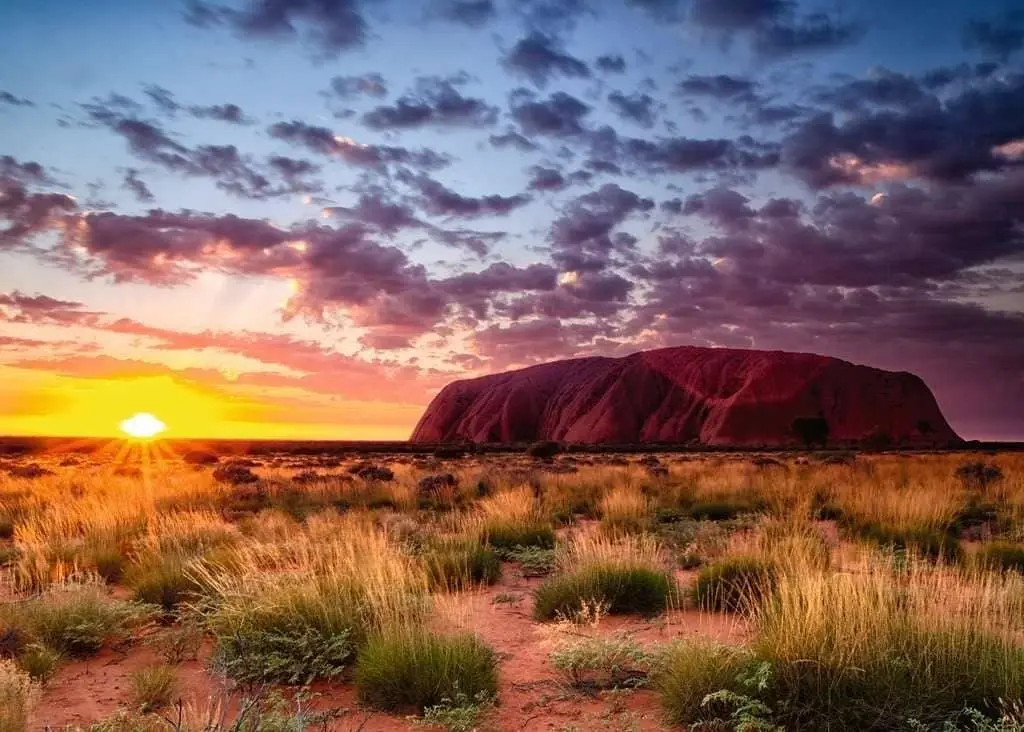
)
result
[(142, 425)]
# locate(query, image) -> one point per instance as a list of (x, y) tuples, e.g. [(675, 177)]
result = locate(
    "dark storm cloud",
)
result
[(351, 87), (321, 140), (435, 102), (539, 57), (329, 26), (931, 138), (8, 98), (560, 115), (471, 13), (137, 186), (611, 64), (1000, 37), (438, 200), (637, 107), (774, 27)]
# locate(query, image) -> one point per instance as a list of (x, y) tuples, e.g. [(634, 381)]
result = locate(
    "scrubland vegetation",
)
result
[(859, 592)]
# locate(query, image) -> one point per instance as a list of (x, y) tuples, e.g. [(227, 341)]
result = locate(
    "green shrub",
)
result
[(1002, 555), (153, 688), (162, 580), (620, 589), (733, 584), (461, 714), (511, 535), (178, 644), (720, 510), (417, 669), (927, 542), (39, 661), (535, 561), (292, 633), (459, 565), (108, 562), (75, 622), (689, 671), (274, 648), (603, 663)]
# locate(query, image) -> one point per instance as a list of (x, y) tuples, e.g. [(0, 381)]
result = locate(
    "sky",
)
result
[(302, 218)]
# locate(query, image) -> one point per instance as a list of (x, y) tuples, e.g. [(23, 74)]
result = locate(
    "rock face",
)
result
[(710, 396)]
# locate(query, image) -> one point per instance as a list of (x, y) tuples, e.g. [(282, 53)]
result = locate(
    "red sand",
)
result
[(713, 396)]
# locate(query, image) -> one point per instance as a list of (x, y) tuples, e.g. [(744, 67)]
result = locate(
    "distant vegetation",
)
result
[(849, 591)]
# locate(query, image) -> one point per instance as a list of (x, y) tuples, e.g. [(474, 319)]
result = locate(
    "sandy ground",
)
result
[(532, 696)]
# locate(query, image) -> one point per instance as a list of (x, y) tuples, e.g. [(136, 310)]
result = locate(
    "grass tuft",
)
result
[(733, 584), (416, 669), (154, 688)]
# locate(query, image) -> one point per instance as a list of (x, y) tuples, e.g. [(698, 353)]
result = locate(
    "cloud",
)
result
[(773, 28), (560, 115), (924, 137), (23, 214), (719, 86), (611, 63), (999, 38), (17, 307), (324, 142), (539, 58), (512, 138), (230, 113), (583, 237), (637, 107), (8, 98), (137, 186), (435, 102), (328, 26), (371, 84), (471, 13), (438, 200)]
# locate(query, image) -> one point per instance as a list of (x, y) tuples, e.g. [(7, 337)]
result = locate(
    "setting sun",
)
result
[(142, 425)]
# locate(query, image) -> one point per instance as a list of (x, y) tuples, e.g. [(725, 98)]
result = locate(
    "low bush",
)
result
[(733, 584), (619, 589), (460, 565), (18, 695), (978, 474), (544, 450), (75, 622), (927, 542), (690, 671), (718, 510), (300, 640), (1002, 555), (603, 663), (517, 534), (461, 714), (39, 661), (415, 669), (154, 688), (534, 561), (162, 580)]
